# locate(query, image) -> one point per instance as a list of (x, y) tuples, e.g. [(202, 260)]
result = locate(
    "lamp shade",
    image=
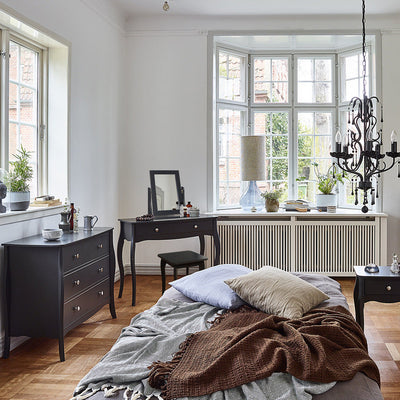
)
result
[(253, 158)]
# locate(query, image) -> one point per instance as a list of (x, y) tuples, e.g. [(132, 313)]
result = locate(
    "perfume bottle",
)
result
[(395, 264)]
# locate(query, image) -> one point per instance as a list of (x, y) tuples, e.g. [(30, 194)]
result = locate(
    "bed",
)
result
[(157, 334)]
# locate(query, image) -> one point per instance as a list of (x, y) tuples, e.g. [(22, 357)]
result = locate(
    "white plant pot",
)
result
[(19, 201), (322, 201)]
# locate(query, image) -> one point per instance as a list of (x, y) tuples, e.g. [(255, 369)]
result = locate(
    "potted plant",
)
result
[(326, 185), (17, 180), (272, 200)]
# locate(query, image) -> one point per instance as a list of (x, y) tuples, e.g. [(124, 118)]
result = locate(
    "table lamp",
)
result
[(252, 169)]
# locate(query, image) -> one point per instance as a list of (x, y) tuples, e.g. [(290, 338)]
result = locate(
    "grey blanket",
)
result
[(156, 334)]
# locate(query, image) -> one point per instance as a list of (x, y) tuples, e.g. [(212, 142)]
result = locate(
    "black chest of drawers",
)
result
[(51, 287)]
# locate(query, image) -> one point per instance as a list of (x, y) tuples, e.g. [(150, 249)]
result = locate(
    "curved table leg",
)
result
[(120, 263), (133, 271), (202, 244)]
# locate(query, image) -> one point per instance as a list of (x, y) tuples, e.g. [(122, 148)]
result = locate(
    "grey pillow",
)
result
[(277, 292)]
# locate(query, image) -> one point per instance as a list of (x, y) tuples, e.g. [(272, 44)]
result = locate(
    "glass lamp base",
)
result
[(251, 199)]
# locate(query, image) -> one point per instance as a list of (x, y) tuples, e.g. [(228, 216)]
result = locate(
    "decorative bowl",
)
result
[(52, 234)]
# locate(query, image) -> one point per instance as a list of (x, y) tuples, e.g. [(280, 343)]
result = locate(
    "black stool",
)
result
[(180, 259)]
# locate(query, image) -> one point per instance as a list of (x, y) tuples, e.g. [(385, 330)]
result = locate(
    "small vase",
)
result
[(271, 205)]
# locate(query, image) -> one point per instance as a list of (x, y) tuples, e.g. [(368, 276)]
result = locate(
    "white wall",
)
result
[(97, 63), (166, 130)]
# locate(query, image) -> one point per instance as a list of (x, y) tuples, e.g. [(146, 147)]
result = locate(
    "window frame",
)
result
[(334, 107), (41, 134)]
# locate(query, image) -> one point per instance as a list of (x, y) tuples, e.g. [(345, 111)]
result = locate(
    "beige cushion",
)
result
[(278, 292)]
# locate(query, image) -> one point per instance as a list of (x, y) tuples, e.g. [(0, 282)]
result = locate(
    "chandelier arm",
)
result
[(380, 171), (346, 169)]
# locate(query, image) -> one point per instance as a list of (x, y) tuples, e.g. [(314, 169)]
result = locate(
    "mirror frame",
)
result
[(179, 191)]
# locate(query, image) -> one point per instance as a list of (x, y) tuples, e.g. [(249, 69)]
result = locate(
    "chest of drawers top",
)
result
[(67, 239)]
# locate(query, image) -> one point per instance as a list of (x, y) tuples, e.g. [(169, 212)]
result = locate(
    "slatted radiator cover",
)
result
[(331, 247)]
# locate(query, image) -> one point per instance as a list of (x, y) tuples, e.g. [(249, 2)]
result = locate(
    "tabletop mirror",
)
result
[(165, 193)]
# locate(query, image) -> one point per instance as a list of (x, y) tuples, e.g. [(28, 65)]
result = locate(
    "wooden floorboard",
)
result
[(33, 370)]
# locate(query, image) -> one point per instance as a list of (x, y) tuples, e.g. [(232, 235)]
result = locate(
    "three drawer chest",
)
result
[(52, 287)]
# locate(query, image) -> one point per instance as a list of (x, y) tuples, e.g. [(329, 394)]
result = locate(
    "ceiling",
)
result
[(135, 8)]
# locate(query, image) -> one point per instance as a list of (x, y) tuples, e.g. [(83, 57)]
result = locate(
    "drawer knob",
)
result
[(195, 226), (101, 269), (76, 308), (388, 288), (77, 282), (76, 256), (156, 229), (100, 246), (101, 293)]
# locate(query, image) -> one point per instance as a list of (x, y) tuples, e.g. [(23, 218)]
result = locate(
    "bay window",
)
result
[(296, 101)]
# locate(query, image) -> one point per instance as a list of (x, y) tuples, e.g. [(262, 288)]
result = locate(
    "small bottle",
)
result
[(76, 219), (71, 217), (181, 210), (189, 208), (395, 264)]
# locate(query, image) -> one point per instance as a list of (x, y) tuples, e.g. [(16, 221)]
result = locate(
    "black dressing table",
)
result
[(159, 229)]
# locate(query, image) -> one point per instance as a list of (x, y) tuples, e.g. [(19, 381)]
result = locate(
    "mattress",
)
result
[(359, 388)]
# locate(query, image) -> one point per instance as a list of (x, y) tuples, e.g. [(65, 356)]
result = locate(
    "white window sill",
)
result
[(11, 217), (340, 212)]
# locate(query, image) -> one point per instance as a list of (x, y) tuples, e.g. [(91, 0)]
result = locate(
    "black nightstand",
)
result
[(382, 286)]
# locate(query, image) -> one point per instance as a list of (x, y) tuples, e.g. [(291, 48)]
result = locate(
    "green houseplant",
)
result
[(17, 180), (326, 184), (272, 200)]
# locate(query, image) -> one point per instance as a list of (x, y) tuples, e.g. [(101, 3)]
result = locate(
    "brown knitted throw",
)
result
[(325, 345)]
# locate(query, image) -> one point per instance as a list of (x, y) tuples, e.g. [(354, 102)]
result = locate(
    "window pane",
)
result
[(323, 92), (305, 146), (28, 106), (323, 70), (351, 67), (305, 70), (271, 76), (231, 77), (274, 125), (23, 105), (230, 125), (306, 92), (314, 133), (314, 80)]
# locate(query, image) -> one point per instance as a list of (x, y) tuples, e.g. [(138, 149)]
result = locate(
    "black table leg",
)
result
[(358, 304), (133, 271), (202, 244), (217, 246), (112, 274), (120, 263), (61, 347)]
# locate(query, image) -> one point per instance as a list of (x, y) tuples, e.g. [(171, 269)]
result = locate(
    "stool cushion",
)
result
[(182, 258), (208, 285)]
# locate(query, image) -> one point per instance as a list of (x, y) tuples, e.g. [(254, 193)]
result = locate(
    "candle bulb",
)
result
[(346, 143), (393, 139), (338, 140)]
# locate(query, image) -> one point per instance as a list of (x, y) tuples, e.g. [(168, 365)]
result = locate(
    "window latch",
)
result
[(4, 53)]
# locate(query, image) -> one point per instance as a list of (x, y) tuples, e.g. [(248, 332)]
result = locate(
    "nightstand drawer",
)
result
[(77, 308), (382, 286), (80, 279), (81, 252)]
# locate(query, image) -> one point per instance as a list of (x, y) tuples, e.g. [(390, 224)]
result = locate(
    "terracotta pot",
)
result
[(271, 205)]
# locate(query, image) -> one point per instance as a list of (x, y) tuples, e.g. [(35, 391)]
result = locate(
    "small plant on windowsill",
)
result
[(17, 180), (326, 184), (272, 200)]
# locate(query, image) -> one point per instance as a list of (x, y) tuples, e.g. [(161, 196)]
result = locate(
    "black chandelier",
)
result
[(359, 151)]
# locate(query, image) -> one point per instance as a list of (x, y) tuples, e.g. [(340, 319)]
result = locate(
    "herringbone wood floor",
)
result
[(34, 372)]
